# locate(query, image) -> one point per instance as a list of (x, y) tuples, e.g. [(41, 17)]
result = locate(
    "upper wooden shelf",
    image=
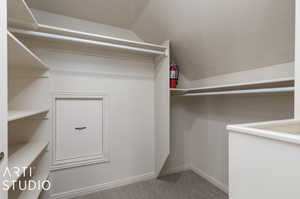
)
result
[(229, 88), (97, 37), (20, 56), (20, 114), (20, 14), (21, 17), (84, 38)]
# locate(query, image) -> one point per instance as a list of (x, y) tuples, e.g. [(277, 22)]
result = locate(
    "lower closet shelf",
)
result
[(22, 156), (34, 194)]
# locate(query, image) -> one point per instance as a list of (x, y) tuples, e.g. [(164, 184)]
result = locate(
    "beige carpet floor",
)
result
[(185, 185)]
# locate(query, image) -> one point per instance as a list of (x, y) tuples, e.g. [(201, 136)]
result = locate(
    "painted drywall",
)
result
[(199, 139), (209, 137), (128, 81), (210, 38), (181, 124), (48, 18), (200, 126)]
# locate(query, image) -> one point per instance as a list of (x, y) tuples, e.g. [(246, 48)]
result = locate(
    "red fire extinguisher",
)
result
[(174, 74)]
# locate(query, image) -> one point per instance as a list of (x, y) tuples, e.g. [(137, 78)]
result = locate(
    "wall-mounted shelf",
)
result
[(40, 176), (20, 14), (72, 36), (178, 91), (20, 56), (23, 155), (269, 86), (97, 37), (20, 114), (245, 91)]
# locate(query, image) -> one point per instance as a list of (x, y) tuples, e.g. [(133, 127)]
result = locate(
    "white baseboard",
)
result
[(101, 187), (176, 169), (139, 178), (210, 179)]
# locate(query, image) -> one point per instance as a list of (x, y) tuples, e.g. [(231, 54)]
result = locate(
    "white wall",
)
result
[(128, 81), (198, 129), (181, 124), (198, 135), (198, 124), (209, 139)]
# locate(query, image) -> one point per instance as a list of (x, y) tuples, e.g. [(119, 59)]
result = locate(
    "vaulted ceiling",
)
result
[(213, 37), (208, 37), (121, 13)]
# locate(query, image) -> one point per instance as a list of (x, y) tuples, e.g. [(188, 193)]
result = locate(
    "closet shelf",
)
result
[(20, 14), (23, 155), (245, 91), (40, 176), (274, 85), (97, 37), (20, 114), (72, 36), (20, 56)]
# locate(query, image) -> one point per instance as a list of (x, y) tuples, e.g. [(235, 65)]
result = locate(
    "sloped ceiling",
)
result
[(212, 37), (121, 13), (208, 37)]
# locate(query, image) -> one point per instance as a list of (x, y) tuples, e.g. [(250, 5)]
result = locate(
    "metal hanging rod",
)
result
[(85, 41), (247, 91)]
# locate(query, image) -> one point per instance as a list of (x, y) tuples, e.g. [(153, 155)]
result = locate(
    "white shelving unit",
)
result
[(72, 36), (20, 14), (20, 56), (20, 114), (24, 25), (24, 63), (269, 86), (23, 155)]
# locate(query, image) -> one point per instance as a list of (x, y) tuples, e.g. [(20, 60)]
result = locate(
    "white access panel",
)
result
[(78, 128), (80, 131)]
